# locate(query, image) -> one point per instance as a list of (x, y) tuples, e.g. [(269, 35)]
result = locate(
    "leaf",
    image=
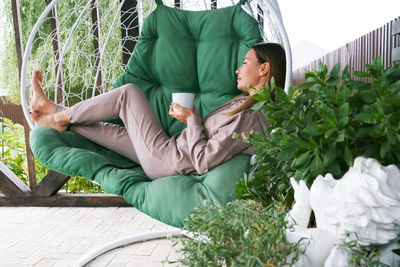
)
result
[(391, 139), (302, 160), (335, 70), (334, 75), (325, 126), (394, 117), (258, 105), (348, 156), (385, 148), (371, 150), (345, 72), (313, 130), (284, 155), (344, 110), (329, 133), (327, 114), (316, 166), (366, 117), (330, 156), (343, 121), (322, 70), (341, 136), (379, 106), (320, 66), (291, 91), (362, 74), (393, 100), (394, 88), (378, 131), (363, 132), (309, 95), (307, 85), (335, 170), (303, 144), (332, 81)]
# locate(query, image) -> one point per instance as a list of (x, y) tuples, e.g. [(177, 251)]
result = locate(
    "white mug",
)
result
[(183, 99)]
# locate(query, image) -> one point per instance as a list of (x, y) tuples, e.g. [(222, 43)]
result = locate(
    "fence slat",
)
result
[(377, 43)]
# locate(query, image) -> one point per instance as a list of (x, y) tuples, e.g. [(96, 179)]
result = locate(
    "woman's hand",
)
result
[(180, 113)]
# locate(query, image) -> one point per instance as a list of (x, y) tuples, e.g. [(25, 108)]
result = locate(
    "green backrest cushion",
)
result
[(190, 51), (178, 51)]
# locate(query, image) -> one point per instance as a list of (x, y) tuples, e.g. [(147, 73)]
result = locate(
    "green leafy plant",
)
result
[(360, 255), (321, 126), (317, 128), (244, 233), (13, 145), (14, 157), (78, 184)]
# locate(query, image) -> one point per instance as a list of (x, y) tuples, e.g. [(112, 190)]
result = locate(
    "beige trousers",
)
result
[(142, 139)]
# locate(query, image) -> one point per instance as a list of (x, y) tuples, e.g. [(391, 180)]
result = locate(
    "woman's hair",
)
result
[(275, 55)]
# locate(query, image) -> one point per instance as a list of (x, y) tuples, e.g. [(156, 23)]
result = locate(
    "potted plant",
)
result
[(317, 128)]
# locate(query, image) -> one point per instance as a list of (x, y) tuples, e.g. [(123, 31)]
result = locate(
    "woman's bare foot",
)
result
[(58, 121), (40, 103)]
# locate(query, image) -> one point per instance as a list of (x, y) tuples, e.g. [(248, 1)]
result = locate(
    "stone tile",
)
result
[(138, 260), (82, 246), (117, 262), (126, 250), (101, 261), (160, 252), (154, 264), (146, 248), (174, 264), (46, 262), (64, 263), (59, 236)]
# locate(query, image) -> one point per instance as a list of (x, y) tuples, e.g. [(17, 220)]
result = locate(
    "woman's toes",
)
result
[(37, 75)]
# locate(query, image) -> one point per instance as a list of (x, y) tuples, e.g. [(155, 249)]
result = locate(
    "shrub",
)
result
[(317, 128), (14, 157), (244, 233), (322, 126)]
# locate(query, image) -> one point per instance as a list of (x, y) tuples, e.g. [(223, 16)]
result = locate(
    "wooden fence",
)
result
[(383, 42)]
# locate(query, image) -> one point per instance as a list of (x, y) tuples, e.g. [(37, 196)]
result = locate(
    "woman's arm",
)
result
[(206, 154)]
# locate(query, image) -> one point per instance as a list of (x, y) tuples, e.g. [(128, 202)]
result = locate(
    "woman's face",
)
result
[(251, 73)]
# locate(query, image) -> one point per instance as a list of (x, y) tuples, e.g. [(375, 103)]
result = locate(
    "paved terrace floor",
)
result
[(33, 236)]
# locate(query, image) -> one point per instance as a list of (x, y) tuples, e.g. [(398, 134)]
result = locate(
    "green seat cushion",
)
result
[(177, 51), (169, 199)]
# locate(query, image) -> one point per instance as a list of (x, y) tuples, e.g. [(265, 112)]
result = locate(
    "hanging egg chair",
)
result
[(93, 46)]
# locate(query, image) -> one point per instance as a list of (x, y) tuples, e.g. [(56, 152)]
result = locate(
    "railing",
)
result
[(383, 42)]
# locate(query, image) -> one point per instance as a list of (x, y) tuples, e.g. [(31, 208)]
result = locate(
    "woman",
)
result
[(202, 145)]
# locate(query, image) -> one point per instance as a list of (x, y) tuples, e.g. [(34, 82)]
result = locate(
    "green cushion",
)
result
[(178, 51), (190, 51), (169, 199)]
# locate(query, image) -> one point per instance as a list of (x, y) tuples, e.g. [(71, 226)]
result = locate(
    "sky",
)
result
[(316, 27), (331, 24)]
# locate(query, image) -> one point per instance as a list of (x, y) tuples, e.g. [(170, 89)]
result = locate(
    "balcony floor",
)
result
[(36, 236)]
